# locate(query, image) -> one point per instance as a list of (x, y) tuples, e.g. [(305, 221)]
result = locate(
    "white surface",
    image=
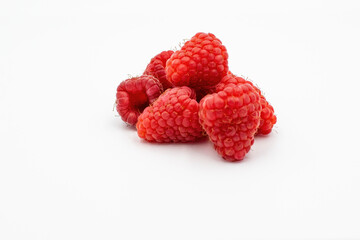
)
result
[(70, 169)]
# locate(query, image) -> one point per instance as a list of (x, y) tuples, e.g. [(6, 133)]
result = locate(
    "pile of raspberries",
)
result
[(189, 94)]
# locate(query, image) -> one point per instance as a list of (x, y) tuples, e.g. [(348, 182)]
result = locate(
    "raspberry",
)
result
[(201, 62), (268, 119), (173, 117), (134, 95), (156, 68), (230, 118)]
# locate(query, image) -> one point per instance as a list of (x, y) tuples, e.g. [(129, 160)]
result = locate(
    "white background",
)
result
[(71, 169)]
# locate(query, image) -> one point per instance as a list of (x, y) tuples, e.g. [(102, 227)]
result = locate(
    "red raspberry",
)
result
[(201, 62), (268, 119), (173, 117), (134, 95), (156, 68), (230, 118)]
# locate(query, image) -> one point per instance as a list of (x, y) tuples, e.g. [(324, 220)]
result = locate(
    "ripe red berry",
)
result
[(201, 62), (173, 117), (156, 68), (134, 95), (268, 118), (231, 118)]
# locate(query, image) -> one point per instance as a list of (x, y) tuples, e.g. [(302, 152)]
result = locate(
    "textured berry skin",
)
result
[(201, 62), (231, 118), (173, 117), (268, 118), (134, 95), (156, 68)]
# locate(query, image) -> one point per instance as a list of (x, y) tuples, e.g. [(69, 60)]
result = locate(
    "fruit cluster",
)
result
[(189, 94)]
